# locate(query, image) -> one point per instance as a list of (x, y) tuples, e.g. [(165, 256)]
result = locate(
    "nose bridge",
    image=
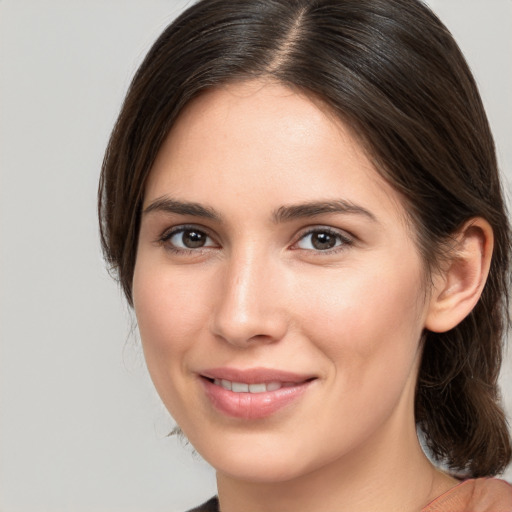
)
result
[(248, 307)]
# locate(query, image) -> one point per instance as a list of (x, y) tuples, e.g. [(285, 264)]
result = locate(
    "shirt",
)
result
[(475, 495)]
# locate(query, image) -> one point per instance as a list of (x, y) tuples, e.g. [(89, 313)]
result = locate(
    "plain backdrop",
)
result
[(81, 428)]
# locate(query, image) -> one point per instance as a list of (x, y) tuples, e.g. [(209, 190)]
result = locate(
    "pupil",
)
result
[(193, 239), (323, 241)]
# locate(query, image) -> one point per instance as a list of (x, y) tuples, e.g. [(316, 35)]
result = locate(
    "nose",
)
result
[(249, 307)]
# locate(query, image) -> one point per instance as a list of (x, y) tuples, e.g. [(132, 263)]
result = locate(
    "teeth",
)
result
[(274, 386), (239, 387), (257, 388), (242, 387), (226, 384)]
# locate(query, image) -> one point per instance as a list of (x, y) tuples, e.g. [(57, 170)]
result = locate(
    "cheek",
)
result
[(170, 316), (169, 313), (369, 328), (367, 320)]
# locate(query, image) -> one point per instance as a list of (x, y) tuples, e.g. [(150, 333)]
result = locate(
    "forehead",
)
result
[(265, 138), (264, 117)]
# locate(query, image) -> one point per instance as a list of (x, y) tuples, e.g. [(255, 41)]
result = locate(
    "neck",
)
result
[(390, 474)]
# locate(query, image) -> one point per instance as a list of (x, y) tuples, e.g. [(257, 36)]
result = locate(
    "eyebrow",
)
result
[(312, 209), (282, 214), (168, 205)]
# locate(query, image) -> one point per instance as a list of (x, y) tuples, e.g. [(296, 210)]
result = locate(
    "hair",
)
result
[(394, 74)]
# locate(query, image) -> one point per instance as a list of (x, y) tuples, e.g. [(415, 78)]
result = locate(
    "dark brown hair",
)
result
[(392, 71)]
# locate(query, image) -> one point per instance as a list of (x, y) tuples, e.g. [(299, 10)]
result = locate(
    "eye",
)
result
[(322, 239), (187, 238)]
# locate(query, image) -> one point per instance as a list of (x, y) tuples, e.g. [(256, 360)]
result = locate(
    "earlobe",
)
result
[(459, 285)]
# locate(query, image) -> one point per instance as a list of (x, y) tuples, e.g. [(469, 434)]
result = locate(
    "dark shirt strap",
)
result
[(212, 505)]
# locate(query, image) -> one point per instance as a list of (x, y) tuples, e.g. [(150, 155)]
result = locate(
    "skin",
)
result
[(258, 293)]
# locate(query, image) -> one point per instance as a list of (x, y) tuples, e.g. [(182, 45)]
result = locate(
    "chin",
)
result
[(260, 458), (258, 470)]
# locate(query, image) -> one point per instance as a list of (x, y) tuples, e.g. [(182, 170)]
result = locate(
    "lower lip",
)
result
[(252, 406)]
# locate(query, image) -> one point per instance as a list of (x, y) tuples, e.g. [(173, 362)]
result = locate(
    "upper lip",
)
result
[(255, 375)]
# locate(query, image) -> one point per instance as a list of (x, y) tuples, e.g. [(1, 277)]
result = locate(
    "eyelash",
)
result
[(342, 240), (165, 238)]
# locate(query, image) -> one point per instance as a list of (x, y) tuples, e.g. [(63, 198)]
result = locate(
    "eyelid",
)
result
[(346, 238), (168, 233)]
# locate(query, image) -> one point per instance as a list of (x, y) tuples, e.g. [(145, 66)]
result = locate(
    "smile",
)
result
[(253, 394), (243, 387)]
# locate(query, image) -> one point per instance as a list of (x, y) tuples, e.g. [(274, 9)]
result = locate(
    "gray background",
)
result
[(81, 428)]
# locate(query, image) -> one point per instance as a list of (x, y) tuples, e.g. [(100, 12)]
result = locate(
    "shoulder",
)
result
[(475, 495), (212, 505)]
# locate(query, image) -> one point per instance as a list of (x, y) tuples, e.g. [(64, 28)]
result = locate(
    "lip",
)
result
[(251, 406), (255, 375)]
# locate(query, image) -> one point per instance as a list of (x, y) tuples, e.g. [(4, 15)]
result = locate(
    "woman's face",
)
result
[(278, 289)]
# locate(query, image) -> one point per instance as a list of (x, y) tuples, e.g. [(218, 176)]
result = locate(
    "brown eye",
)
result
[(193, 239), (322, 240), (189, 238)]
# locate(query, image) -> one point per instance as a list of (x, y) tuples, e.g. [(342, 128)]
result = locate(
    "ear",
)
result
[(458, 286)]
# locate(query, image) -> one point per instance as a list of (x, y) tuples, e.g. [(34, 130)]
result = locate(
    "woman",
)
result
[(301, 201)]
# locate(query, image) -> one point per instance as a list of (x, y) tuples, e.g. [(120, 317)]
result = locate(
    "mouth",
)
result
[(245, 387), (253, 394)]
